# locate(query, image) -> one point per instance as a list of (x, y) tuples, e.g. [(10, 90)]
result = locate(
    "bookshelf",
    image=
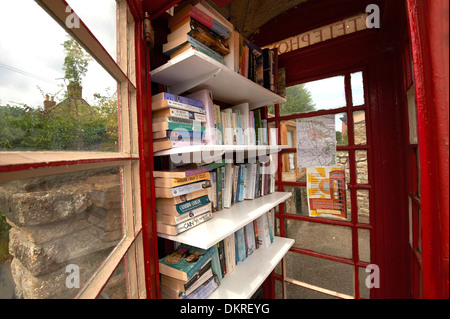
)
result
[(196, 70), (227, 221), (193, 71), (253, 271)]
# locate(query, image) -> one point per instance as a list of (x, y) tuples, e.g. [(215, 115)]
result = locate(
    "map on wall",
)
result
[(316, 141)]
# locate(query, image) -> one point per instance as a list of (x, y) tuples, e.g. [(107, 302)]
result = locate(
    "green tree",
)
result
[(76, 62), (298, 100)]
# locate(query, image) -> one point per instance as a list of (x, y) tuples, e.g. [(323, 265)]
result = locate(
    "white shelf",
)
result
[(229, 220), (195, 70), (222, 149), (248, 275)]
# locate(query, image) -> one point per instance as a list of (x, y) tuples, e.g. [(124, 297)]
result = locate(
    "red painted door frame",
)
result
[(428, 26)]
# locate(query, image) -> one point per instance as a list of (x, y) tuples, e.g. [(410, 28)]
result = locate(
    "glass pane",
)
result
[(343, 160), (297, 292), (320, 272), (322, 94), (364, 245), (102, 26), (362, 199), (63, 228), (278, 289), (357, 88), (341, 129), (55, 96), (364, 291), (328, 239), (362, 172), (288, 131), (359, 125), (298, 203), (291, 173), (116, 287)]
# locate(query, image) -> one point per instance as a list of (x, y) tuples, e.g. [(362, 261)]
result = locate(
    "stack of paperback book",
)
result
[(193, 273), (194, 29), (187, 273), (182, 198), (177, 121)]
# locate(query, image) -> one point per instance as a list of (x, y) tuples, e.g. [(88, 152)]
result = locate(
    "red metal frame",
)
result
[(428, 23)]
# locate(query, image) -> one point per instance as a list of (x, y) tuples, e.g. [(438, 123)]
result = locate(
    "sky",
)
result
[(31, 54)]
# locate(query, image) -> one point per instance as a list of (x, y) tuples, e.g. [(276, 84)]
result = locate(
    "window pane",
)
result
[(298, 202), (116, 287), (322, 94), (343, 160), (362, 199), (55, 96), (102, 26), (341, 129), (357, 88), (362, 172), (63, 227), (359, 122), (328, 239), (297, 292), (291, 173), (320, 272), (364, 245)]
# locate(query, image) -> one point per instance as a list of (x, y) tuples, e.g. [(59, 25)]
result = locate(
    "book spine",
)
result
[(190, 188), (206, 97), (191, 179), (193, 213), (195, 13), (205, 50), (175, 104), (192, 204), (175, 126), (205, 290), (190, 101), (164, 96), (174, 135), (208, 38), (218, 122), (187, 115), (192, 223)]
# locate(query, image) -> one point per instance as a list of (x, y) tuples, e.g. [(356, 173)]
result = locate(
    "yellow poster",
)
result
[(326, 192)]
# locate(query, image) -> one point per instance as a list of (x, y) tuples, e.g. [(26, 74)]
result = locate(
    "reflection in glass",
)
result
[(357, 88), (322, 94), (67, 220), (291, 173), (297, 204), (55, 96), (341, 129)]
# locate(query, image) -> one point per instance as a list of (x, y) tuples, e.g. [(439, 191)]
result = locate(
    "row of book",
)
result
[(187, 196), (194, 273), (194, 119), (201, 28)]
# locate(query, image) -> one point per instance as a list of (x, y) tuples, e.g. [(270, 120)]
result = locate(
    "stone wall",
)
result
[(60, 220)]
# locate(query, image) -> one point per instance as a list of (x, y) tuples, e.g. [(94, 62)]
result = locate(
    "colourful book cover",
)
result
[(184, 262)]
